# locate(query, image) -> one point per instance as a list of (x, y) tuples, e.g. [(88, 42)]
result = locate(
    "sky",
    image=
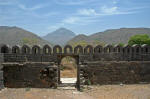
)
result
[(80, 16)]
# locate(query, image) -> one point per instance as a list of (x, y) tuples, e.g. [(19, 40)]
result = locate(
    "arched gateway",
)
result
[(76, 58)]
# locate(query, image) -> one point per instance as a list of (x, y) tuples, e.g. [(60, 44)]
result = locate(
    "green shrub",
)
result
[(139, 39)]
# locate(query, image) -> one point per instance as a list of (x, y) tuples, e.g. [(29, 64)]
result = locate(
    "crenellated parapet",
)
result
[(68, 49), (89, 52)]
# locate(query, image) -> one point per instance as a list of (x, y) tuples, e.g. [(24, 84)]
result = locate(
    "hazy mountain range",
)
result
[(62, 36)]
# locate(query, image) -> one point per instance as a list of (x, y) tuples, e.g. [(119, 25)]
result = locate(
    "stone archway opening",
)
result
[(68, 70)]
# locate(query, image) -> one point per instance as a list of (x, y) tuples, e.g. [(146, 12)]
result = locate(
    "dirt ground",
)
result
[(68, 73), (141, 91)]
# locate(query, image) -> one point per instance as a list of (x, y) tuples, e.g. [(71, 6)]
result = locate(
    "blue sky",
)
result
[(80, 16)]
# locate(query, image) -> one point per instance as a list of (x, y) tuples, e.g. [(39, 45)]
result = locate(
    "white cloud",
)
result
[(88, 16), (87, 12), (71, 20), (105, 11), (109, 10), (79, 20), (23, 7)]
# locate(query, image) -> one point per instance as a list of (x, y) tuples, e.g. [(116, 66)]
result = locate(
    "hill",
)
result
[(19, 36), (61, 36), (112, 36)]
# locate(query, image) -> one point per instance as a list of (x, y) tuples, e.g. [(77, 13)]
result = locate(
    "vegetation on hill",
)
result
[(85, 43), (30, 41), (139, 39)]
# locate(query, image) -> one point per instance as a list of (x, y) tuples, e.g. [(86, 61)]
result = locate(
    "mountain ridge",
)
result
[(18, 36), (112, 36)]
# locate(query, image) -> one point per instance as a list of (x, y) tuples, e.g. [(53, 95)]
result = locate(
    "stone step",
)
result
[(67, 85), (68, 80)]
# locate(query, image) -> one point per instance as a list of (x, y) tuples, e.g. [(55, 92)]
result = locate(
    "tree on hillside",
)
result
[(121, 44), (139, 39), (97, 42)]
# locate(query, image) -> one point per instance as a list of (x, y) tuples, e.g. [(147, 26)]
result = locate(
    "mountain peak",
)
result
[(62, 28), (63, 31), (60, 36)]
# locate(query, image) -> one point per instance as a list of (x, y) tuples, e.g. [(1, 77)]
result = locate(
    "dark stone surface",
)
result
[(1, 80), (1, 75), (1, 72), (37, 75), (116, 72)]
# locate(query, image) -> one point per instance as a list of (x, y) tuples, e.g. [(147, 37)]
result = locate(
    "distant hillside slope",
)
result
[(18, 36), (112, 36), (60, 36), (79, 38)]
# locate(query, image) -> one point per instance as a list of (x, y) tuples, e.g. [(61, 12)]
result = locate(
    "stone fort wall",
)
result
[(35, 75), (113, 72), (22, 65)]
